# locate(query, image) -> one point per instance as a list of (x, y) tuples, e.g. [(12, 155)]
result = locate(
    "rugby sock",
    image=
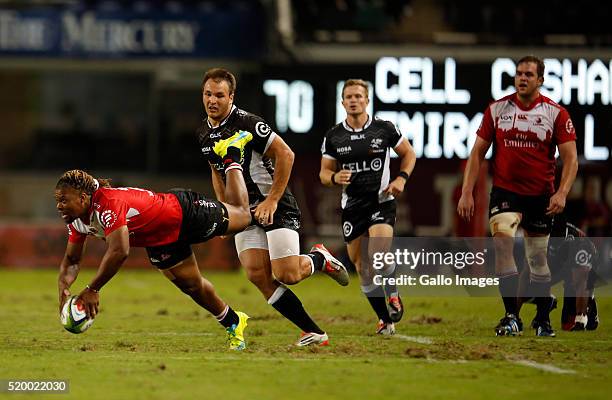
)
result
[(317, 260), (312, 267), (508, 286), (228, 317), (289, 306), (376, 296), (543, 300), (390, 289), (232, 159)]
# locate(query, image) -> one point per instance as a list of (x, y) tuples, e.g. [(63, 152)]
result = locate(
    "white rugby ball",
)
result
[(73, 316)]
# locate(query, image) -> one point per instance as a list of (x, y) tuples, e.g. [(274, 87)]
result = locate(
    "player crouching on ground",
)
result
[(166, 224), (571, 256)]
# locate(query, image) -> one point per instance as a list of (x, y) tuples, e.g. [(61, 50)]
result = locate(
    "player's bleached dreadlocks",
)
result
[(81, 180)]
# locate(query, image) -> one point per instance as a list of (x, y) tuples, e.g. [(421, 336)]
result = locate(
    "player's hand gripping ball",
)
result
[(73, 316)]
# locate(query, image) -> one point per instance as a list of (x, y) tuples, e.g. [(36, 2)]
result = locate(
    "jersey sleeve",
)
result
[(564, 128), (74, 236), (327, 150), (394, 136), (487, 126), (263, 135)]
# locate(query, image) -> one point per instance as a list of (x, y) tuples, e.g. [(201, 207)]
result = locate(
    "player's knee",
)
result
[(240, 218), (535, 251), (286, 276), (194, 286), (258, 278)]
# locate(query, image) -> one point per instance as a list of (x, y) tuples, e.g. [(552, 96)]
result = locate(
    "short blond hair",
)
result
[(356, 82)]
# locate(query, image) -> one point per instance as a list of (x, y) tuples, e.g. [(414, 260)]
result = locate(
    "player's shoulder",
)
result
[(548, 101), (241, 115), (242, 119), (508, 99), (105, 195), (383, 123), (335, 130)]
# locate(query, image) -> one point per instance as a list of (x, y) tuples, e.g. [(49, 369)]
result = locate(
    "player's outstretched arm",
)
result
[(69, 270), (465, 207), (118, 249)]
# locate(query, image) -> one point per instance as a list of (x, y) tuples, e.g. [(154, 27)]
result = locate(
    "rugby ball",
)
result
[(73, 316)]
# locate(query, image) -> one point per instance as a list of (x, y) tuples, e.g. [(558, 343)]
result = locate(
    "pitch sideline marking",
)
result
[(543, 367), (416, 339)]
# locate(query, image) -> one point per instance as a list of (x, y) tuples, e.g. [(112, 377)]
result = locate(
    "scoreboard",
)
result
[(437, 105)]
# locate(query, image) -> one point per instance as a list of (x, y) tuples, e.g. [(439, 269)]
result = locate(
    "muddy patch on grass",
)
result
[(425, 319), (453, 350)]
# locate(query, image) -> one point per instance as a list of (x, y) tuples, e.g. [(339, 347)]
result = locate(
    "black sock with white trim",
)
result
[(228, 317), (289, 306)]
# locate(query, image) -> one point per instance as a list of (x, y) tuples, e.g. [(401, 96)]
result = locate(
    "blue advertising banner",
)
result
[(232, 33)]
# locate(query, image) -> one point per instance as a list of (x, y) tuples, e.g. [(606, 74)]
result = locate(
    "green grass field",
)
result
[(152, 342)]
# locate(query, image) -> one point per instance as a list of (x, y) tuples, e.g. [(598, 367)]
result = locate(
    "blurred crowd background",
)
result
[(113, 87)]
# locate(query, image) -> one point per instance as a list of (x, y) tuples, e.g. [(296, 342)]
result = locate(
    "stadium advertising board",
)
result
[(128, 34)]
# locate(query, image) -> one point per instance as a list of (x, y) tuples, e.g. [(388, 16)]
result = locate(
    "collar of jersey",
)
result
[(351, 129), (224, 120), (520, 105)]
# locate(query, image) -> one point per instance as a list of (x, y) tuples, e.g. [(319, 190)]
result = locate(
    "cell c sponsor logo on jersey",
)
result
[(569, 126), (108, 218), (347, 228), (262, 129), (362, 166), (376, 164)]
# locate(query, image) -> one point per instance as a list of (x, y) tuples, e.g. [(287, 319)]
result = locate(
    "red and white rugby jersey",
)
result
[(153, 219), (524, 142)]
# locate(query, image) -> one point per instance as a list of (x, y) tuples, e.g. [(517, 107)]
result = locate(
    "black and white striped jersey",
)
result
[(366, 152), (258, 169)]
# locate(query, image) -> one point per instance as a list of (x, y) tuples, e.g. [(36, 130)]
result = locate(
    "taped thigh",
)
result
[(536, 248), (252, 237), (283, 242), (505, 223)]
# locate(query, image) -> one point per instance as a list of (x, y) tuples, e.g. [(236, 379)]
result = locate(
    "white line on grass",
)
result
[(416, 339), (543, 367)]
